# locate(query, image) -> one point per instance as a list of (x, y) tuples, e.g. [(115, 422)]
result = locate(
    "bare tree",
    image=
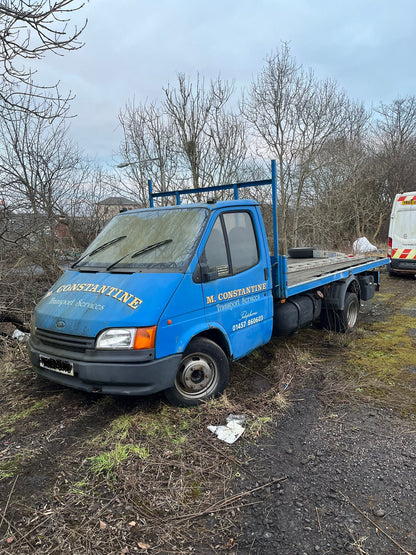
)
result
[(211, 141), (227, 134), (292, 116), (358, 174), (36, 163), (394, 147), (342, 200), (190, 139), (28, 31), (148, 150), (82, 214), (39, 171)]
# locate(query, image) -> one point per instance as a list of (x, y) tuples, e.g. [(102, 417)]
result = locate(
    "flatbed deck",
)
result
[(300, 270), (302, 274)]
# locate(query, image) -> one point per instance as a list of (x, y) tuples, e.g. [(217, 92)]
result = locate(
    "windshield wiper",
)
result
[(151, 247), (133, 254), (98, 249)]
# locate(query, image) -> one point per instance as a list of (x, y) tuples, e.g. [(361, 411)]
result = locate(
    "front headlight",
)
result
[(127, 338)]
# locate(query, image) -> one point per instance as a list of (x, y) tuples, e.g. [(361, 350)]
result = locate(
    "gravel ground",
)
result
[(349, 487)]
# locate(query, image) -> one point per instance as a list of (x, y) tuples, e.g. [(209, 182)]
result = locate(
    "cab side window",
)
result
[(242, 241), (231, 247)]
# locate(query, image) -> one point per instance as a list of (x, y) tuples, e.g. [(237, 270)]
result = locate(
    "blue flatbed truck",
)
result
[(165, 297)]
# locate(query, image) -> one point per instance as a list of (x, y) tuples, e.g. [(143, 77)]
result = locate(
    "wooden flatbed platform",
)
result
[(301, 270)]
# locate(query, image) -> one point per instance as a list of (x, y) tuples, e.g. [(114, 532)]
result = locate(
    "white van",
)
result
[(402, 234)]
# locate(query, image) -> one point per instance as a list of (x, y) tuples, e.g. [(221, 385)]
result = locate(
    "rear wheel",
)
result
[(342, 320), (348, 317), (202, 374)]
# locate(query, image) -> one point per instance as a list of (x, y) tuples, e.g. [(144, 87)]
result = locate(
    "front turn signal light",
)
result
[(145, 338)]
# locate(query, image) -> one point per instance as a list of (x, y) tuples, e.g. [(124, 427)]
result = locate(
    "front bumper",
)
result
[(106, 371)]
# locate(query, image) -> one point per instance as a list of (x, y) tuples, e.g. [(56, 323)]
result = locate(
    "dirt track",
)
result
[(350, 477), (335, 474)]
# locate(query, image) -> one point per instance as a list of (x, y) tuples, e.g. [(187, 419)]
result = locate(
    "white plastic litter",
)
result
[(19, 335), (363, 245), (232, 431)]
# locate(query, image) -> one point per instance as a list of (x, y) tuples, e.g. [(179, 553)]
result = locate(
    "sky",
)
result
[(135, 48)]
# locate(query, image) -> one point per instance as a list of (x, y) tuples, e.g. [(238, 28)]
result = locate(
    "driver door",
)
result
[(235, 282)]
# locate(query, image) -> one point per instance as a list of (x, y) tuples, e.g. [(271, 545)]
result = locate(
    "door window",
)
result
[(232, 246), (242, 241)]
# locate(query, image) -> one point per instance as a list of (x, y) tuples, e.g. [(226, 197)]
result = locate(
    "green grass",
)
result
[(384, 362), (106, 463), (11, 466)]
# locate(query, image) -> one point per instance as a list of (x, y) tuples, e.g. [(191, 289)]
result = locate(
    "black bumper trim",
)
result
[(403, 265), (134, 377)]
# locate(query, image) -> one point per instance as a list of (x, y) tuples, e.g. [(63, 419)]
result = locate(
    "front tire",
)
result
[(202, 374)]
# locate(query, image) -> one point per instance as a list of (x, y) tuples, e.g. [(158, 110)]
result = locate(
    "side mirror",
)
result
[(202, 273)]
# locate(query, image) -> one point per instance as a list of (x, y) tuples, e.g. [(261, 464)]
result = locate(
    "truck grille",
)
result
[(64, 341)]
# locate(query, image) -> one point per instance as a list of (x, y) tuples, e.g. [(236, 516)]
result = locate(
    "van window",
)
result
[(242, 241), (215, 252), (231, 247)]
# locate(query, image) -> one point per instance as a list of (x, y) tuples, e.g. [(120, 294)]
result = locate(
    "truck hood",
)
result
[(83, 304)]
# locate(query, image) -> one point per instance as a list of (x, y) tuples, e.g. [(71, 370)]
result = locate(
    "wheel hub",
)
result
[(352, 315), (196, 374)]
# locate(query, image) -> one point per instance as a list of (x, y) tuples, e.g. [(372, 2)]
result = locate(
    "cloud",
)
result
[(134, 49)]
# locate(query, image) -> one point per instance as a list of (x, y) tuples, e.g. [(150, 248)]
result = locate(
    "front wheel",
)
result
[(202, 374)]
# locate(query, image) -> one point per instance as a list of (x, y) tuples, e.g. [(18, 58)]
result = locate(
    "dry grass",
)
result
[(100, 475), (97, 475), (375, 363)]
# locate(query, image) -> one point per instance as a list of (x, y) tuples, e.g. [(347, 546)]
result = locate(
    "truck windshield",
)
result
[(152, 240)]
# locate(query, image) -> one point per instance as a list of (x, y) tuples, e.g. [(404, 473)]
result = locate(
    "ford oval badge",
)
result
[(60, 324)]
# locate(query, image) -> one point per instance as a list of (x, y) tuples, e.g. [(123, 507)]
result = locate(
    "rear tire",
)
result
[(342, 320), (202, 374), (348, 317)]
